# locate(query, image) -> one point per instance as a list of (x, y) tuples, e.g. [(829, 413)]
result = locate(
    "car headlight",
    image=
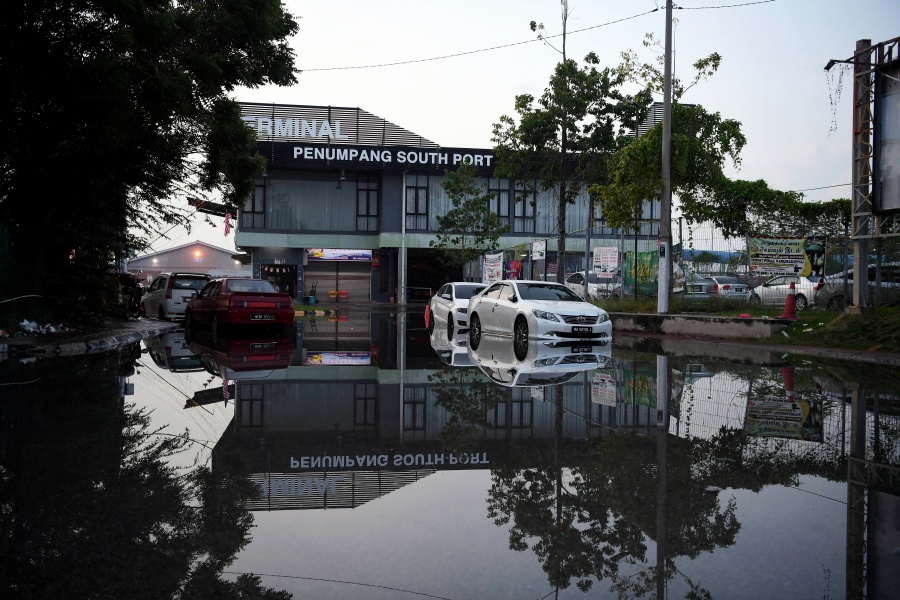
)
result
[(603, 318), (462, 311), (543, 314)]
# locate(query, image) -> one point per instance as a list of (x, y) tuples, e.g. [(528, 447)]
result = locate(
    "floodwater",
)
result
[(363, 457)]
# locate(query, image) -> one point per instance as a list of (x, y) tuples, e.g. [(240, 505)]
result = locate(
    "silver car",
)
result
[(729, 287), (774, 291), (170, 293)]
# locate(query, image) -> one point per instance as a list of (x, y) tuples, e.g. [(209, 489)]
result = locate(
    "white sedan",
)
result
[(538, 310), (449, 306)]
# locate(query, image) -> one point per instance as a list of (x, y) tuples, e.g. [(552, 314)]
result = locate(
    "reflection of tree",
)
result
[(593, 521), (467, 396), (92, 505)]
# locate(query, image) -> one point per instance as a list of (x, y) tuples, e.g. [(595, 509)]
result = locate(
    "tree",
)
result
[(470, 228), (565, 138), (120, 107)]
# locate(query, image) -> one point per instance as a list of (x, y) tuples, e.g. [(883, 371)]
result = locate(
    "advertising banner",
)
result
[(339, 254), (513, 268), (539, 250), (338, 358), (493, 267), (643, 272), (773, 417), (606, 261), (787, 256)]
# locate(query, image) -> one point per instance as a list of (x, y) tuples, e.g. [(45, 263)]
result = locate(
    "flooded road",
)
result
[(364, 457)]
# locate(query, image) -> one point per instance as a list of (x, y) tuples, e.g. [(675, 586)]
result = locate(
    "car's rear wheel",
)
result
[(801, 303), (520, 338), (474, 332), (755, 299), (160, 314)]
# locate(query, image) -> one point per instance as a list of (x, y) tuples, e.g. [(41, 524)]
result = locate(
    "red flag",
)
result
[(227, 223)]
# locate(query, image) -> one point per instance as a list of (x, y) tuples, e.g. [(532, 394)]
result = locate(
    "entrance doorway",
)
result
[(283, 277)]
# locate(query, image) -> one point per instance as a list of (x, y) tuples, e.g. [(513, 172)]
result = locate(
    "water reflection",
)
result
[(91, 503), (653, 472)]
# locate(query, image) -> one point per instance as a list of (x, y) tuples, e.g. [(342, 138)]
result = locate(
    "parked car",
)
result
[(238, 302), (599, 288), (169, 294), (450, 305), (697, 288), (535, 309), (544, 363), (774, 291), (729, 287), (835, 292), (243, 355)]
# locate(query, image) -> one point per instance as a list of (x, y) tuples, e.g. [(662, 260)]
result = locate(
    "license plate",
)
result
[(262, 317), (581, 349), (262, 346), (577, 329)]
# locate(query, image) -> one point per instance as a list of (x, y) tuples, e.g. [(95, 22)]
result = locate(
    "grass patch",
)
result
[(872, 330)]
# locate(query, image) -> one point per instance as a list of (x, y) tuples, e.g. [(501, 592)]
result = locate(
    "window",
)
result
[(526, 200), (499, 189), (414, 409), (417, 201), (522, 407), (251, 405), (365, 397), (366, 203), (253, 214)]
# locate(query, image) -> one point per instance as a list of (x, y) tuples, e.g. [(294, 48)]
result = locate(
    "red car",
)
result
[(238, 302)]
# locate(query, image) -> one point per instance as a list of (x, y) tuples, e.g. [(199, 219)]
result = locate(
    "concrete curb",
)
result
[(89, 343)]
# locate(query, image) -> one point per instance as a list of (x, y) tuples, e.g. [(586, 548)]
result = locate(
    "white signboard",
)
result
[(539, 250), (606, 261), (493, 268), (603, 389)]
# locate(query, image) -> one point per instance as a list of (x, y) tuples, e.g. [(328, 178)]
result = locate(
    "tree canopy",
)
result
[(470, 228), (119, 107)]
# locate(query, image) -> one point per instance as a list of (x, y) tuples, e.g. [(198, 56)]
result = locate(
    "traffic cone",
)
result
[(790, 304)]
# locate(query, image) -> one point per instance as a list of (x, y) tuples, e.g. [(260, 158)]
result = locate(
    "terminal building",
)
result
[(347, 208)]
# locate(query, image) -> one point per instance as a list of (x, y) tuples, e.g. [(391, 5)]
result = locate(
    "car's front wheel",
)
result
[(160, 314), (430, 320), (801, 303), (474, 332), (189, 325), (520, 338), (755, 299)]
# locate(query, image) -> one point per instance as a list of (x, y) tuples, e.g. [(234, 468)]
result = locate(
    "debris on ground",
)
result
[(27, 327)]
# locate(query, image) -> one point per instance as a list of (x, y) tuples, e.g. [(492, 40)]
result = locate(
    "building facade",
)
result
[(347, 207), (194, 257)]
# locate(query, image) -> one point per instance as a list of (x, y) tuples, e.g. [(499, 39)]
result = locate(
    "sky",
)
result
[(449, 70)]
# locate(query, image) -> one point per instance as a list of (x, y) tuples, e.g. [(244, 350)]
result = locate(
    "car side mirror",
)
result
[(513, 298), (446, 296), (194, 295)]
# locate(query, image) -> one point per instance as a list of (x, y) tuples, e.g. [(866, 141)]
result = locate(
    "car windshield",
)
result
[(188, 283), (248, 285), (730, 280), (464, 292), (547, 291)]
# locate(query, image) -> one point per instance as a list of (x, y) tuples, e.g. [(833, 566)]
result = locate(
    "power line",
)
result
[(722, 6), (824, 187), (371, 585), (420, 60)]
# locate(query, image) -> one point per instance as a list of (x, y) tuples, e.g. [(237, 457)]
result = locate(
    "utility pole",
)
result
[(665, 200)]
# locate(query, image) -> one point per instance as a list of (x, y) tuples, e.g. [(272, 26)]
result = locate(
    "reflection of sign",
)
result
[(539, 250), (363, 461), (606, 261), (338, 358), (775, 418), (537, 393), (603, 389), (339, 254)]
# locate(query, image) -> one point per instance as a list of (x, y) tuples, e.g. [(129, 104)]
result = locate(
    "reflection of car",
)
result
[(450, 305), (169, 294), (835, 292), (244, 302), (599, 288), (774, 291), (544, 363), (452, 349), (249, 356), (729, 287), (170, 351), (535, 309)]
